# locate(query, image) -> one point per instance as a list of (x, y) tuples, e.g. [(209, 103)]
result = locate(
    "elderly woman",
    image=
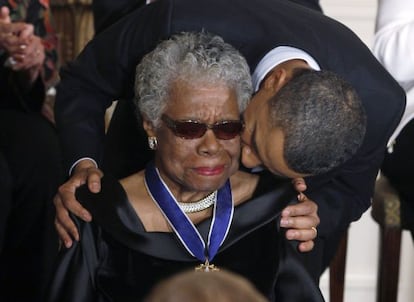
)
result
[(191, 207)]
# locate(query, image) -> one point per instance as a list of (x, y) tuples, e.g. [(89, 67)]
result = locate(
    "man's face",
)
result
[(263, 144)]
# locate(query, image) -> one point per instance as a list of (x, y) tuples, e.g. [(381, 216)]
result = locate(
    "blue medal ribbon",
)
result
[(183, 226)]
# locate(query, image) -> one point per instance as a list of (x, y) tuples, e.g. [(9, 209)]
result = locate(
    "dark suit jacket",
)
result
[(107, 12), (105, 71), (313, 4)]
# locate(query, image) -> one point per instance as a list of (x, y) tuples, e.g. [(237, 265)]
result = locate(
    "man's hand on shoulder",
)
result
[(65, 200)]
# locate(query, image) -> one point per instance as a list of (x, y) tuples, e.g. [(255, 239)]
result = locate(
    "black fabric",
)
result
[(103, 74), (398, 166), (313, 4), (13, 94), (30, 166), (107, 12), (124, 132), (117, 260), (126, 147)]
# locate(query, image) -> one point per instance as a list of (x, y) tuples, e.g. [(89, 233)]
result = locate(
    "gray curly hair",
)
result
[(191, 57)]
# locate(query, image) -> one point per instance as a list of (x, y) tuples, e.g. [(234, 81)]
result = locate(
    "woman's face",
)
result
[(201, 164)]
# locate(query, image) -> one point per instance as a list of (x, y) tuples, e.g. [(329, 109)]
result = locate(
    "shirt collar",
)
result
[(277, 56)]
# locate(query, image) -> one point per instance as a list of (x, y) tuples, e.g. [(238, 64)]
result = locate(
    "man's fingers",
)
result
[(304, 236), (66, 194), (67, 226), (299, 184), (94, 180), (65, 202), (63, 235), (64, 224), (305, 207), (301, 234), (299, 222), (306, 246), (315, 230), (301, 219)]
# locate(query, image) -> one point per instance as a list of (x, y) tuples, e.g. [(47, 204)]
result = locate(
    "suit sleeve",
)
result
[(102, 73), (345, 193), (312, 4), (107, 12)]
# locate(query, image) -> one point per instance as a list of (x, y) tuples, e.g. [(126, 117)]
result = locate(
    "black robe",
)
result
[(117, 260)]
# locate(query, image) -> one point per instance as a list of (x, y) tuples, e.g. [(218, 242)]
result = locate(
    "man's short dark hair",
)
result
[(322, 119)]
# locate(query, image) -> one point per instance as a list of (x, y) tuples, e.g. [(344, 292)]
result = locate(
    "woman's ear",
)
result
[(148, 126)]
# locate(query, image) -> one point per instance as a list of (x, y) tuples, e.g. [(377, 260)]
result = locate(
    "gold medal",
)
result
[(206, 267)]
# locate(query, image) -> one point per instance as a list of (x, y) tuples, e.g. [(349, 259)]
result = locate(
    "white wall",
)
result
[(362, 257)]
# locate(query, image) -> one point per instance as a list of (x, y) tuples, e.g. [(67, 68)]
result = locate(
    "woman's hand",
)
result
[(25, 50), (301, 219), (13, 35), (65, 201), (30, 53)]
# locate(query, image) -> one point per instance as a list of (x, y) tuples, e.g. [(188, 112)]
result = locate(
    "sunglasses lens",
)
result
[(228, 130), (193, 129), (190, 130)]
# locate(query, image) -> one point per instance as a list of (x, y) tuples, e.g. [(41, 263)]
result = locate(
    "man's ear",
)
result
[(148, 126), (275, 79)]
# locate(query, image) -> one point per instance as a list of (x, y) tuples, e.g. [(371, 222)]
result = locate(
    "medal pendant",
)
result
[(206, 267)]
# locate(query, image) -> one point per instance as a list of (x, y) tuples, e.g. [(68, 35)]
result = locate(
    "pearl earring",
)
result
[(152, 142)]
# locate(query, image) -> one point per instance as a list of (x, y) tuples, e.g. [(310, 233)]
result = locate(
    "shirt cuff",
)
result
[(79, 160)]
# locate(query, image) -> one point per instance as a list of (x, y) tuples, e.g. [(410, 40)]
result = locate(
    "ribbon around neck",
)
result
[(182, 225)]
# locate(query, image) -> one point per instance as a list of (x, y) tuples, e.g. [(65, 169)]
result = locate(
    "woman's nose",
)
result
[(209, 144)]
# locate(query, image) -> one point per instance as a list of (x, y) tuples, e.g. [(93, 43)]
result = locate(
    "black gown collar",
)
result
[(113, 213)]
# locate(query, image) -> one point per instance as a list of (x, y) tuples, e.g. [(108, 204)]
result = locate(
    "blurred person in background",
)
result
[(29, 154), (393, 43)]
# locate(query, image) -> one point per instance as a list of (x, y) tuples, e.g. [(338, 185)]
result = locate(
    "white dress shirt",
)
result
[(393, 46)]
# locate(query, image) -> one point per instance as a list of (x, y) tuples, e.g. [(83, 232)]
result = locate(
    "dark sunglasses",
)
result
[(190, 129)]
